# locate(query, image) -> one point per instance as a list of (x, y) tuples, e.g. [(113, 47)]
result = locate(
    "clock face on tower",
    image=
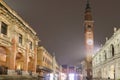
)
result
[(89, 41)]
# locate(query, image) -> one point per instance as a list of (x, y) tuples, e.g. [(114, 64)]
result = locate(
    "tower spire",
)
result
[(88, 15), (88, 5)]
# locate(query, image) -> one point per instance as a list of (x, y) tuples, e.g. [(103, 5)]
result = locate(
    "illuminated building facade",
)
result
[(18, 43), (44, 63), (106, 62), (47, 66), (71, 73)]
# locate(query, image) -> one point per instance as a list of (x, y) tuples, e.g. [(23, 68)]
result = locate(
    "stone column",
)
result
[(8, 57), (11, 70), (35, 60), (25, 65)]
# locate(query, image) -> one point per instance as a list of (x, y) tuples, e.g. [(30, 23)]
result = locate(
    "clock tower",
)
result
[(89, 36), (89, 39)]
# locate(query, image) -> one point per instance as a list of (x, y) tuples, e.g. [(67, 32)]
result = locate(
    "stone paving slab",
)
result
[(6, 77)]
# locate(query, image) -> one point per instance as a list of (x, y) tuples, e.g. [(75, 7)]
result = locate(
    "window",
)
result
[(89, 27), (105, 55), (4, 28), (112, 50), (31, 45), (20, 38)]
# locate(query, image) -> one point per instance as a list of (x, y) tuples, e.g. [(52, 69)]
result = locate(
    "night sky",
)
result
[(60, 24)]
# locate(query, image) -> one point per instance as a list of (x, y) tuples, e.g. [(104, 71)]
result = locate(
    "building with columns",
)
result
[(47, 66), (18, 43), (44, 63), (106, 62)]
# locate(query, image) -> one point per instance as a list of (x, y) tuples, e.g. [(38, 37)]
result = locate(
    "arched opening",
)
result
[(4, 59), (19, 61), (30, 64), (112, 50)]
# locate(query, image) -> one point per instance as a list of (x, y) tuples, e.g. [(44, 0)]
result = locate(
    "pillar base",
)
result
[(34, 74), (25, 73), (11, 72)]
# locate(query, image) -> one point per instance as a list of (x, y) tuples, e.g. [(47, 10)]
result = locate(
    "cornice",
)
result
[(12, 15)]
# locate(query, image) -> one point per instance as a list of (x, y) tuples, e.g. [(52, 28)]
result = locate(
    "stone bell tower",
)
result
[(89, 39)]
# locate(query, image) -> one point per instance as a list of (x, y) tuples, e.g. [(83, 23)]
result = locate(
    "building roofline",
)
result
[(7, 8)]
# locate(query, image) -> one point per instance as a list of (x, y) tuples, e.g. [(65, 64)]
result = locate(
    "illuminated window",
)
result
[(4, 28)]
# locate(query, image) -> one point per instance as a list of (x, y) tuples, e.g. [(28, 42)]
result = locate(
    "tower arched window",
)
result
[(112, 50), (89, 27)]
